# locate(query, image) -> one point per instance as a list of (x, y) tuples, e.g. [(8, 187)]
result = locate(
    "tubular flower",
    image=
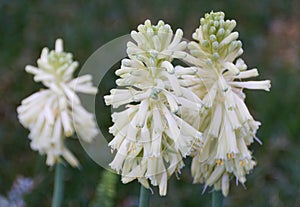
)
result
[(149, 136), (52, 114), (227, 126)]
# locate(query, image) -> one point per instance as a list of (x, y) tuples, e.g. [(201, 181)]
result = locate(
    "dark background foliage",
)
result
[(270, 32)]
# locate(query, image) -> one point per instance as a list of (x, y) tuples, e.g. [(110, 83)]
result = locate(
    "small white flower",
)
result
[(149, 136), (227, 126), (52, 114)]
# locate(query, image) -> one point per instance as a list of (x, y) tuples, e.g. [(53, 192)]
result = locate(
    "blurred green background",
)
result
[(270, 31)]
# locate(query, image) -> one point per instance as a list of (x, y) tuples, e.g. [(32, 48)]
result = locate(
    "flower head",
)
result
[(149, 136), (53, 113), (227, 126), (156, 41)]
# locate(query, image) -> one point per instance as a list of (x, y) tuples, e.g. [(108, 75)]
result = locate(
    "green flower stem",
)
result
[(217, 199), (58, 185), (144, 197)]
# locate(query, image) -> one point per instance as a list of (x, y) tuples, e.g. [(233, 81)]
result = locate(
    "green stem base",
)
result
[(144, 197), (58, 192), (217, 199)]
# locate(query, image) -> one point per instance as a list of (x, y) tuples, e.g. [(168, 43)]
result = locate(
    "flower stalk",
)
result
[(58, 185), (144, 199), (217, 199)]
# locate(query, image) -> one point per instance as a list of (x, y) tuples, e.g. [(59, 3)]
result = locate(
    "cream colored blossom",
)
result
[(52, 114), (149, 136), (227, 126), (157, 41)]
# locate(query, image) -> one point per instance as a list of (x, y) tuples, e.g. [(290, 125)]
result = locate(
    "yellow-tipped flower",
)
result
[(52, 114), (149, 136), (227, 126)]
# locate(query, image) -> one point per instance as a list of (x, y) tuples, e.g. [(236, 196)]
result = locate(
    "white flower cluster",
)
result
[(149, 135), (54, 113), (226, 124)]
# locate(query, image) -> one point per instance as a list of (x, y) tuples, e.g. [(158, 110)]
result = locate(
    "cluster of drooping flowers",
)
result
[(226, 124), (150, 137), (55, 113)]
